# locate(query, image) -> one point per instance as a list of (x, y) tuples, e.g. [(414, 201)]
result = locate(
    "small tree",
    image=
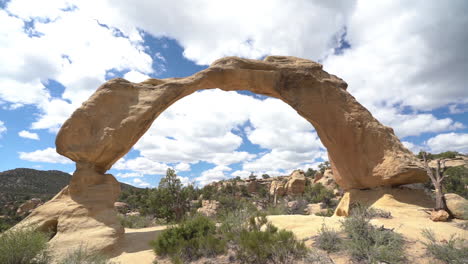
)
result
[(252, 176), (265, 176), (437, 176), (310, 173), (324, 166)]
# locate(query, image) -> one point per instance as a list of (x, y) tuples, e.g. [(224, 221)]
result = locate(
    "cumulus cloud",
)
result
[(449, 141), (140, 183), (3, 128), (136, 76), (141, 165), (215, 174), (48, 155), (129, 175), (27, 134)]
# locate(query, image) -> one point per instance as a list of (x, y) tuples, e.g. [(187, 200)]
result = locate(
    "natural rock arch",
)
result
[(362, 151)]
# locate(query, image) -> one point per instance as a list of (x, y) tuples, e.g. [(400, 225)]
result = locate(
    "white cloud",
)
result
[(3, 128), (217, 30), (66, 45), (140, 183), (129, 175), (27, 134), (413, 147), (48, 155), (215, 174), (448, 141), (136, 76), (182, 167), (141, 165)]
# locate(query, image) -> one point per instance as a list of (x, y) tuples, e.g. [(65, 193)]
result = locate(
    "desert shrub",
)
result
[(456, 181), (190, 240), (24, 246), (135, 221), (279, 209), (268, 246), (81, 255), (368, 244), (328, 213), (328, 239), (317, 193), (442, 155), (452, 251)]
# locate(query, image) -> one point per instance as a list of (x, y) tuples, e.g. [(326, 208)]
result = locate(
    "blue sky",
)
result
[(406, 63)]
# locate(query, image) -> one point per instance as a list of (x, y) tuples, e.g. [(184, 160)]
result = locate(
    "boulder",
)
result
[(252, 186), (439, 216), (133, 213), (27, 207), (121, 207), (277, 188), (296, 183), (209, 208), (326, 179), (457, 205)]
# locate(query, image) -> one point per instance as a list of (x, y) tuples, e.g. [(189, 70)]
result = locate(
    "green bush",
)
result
[(269, 246), (24, 246), (328, 239), (456, 181), (279, 209), (192, 239), (81, 255), (368, 244), (135, 221), (453, 251), (317, 193)]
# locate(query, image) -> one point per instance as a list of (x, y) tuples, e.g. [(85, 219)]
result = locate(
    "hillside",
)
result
[(21, 184)]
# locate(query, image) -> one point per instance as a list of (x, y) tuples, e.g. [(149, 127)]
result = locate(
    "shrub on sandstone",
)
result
[(368, 244), (317, 193), (328, 239), (135, 221), (193, 238), (24, 246), (81, 255), (452, 251), (268, 246)]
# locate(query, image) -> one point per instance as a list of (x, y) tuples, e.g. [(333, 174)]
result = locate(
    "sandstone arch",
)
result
[(363, 152)]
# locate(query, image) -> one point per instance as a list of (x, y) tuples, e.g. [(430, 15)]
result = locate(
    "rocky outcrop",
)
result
[(121, 207), (277, 188), (27, 207), (454, 162), (296, 183), (209, 208), (326, 179), (457, 205)]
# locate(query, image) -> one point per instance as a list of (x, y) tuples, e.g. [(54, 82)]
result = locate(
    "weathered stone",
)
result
[(28, 206), (457, 205), (296, 183), (121, 207), (252, 186), (326, 179), (209, 208), (439, 216), (277, 188), (363, 153)]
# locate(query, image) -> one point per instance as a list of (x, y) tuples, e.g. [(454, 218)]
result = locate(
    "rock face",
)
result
[(326, 179), (439, 216), (277, 188), (363, 153), (121, 207), (296, 183), (28, 206), (457, 205), (209, 208)]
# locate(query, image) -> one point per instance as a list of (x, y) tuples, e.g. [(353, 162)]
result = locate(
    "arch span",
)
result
[(362, 151)]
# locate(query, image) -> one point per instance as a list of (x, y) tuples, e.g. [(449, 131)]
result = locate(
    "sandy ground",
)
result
[(135, 248), (408, 219)]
